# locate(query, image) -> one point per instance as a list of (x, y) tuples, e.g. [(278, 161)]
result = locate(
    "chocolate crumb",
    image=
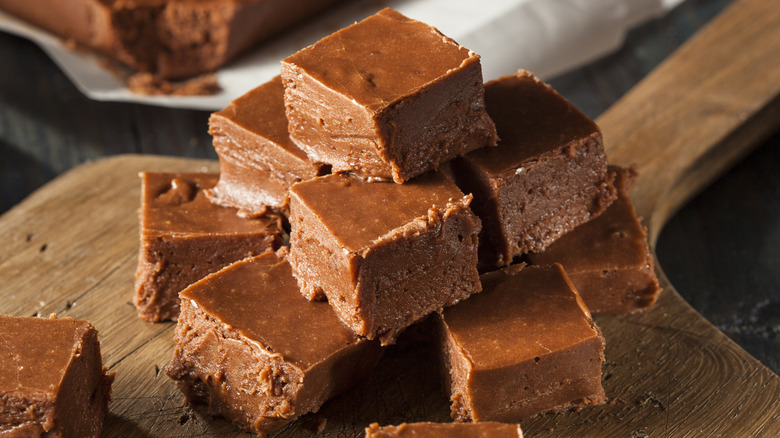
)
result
[(148, 84), (649, 398)]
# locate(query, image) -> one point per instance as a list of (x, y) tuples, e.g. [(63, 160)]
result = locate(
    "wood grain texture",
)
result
[(71, 249), (700, 110)]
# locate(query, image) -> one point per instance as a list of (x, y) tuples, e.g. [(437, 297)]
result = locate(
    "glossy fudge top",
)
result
[(516, 309), (614, 240), (260, 298), (177, 204), (483, 429), (358, 213), (531, 119), (261, 111), (35, 353), (381, 59)]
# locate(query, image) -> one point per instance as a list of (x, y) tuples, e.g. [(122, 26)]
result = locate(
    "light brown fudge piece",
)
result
[(258, 163), (523, 346), (385, 255), (388, 97), (171, 38), (52, 380), (184, 237), (257, 352), (487, 429), (608, 258), (547, 175)]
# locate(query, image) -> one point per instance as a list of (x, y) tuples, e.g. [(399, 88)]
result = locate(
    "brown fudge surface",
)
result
[(385, 255), (523, 346), (486, 429), (257, 160), (388, 97), (547, 175), (608, 258), (260, 354), (172, 38), (52, 381), (184, 237)]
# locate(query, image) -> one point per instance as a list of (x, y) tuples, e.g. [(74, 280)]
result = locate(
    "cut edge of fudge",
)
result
[(75, 402), (180, 245), (470, 403), (629, 284), (583, 207), (239, 374), (586, 205), (258, 160), (382, 129), (445, 430)]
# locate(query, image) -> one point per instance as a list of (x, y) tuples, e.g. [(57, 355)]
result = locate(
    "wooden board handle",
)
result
[(700, 110)]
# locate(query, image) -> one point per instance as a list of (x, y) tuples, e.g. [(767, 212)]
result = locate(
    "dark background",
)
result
[(721, 251)]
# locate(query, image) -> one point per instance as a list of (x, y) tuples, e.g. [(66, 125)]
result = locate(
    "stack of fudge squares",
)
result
[(400, 177)]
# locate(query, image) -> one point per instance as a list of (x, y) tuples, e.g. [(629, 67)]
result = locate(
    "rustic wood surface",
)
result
[(721, 251), (668, 373)]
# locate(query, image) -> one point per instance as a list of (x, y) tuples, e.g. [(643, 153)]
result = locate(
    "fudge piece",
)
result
[(385, 255), (487, 429), (260, 354), (608, 258), (52, 382), (547, 175), (184, 237), (172, 38), (525, 345), (257, 160), (388, 97)]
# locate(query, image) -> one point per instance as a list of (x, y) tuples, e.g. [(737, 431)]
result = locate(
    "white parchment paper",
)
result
[(546, 37)]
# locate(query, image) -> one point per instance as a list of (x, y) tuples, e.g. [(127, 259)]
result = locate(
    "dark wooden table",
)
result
[(721, 251)]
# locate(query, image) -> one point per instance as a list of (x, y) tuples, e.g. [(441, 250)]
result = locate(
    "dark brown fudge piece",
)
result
[(184, 237), (260, 354), (608, 258), (52, 380), (388, 97), (257, 160), (486, 429), (171, 38), (547, 175), (385, 255), (525, 345)]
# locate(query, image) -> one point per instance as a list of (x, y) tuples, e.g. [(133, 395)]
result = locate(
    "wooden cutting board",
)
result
[(71, 249)]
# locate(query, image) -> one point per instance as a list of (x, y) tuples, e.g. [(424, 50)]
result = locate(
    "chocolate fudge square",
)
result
[(608, 258), (523, 346), (184, 237), (52, 380), (257, 352), (385, 255), (170, 38), (388, 97), (257, 160), (547, 175), (487, 429)]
